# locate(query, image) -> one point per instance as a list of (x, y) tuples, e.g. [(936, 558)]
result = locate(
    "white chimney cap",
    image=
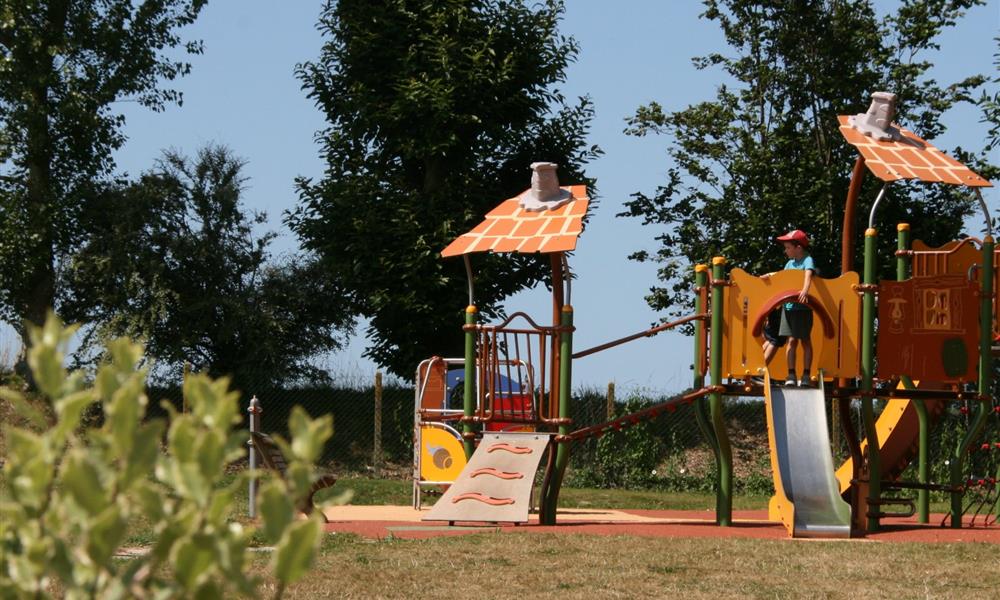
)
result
[(545, 193)]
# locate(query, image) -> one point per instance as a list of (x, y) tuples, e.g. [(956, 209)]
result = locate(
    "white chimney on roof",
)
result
[(877, 122), (545, 193)]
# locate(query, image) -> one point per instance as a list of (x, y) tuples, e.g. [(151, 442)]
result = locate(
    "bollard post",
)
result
[(254, 410), (377, 446), (611, 400)]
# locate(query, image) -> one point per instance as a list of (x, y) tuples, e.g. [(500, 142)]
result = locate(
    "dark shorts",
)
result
[(796, 323), (772, 328)]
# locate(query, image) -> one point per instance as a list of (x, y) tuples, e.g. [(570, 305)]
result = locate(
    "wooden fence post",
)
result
[(377, 446), (611, 400)]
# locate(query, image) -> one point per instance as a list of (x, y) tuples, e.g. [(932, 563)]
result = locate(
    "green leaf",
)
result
[(309, 435), (69, 409), (276, 510), (104, 534), (145, 450), (294, 554), (193, 557), (124, 413), (82, 481)]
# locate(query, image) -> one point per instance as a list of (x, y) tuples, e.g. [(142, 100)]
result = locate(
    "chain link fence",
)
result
[(373, 436)]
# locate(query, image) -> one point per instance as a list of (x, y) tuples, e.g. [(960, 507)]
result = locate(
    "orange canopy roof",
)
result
[(510, 228), (909, 158)]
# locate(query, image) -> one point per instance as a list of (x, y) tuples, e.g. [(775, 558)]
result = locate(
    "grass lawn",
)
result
[(526, 565), (529, 565), (535, 565)]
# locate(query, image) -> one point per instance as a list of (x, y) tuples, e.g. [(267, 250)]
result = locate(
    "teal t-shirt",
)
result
[(800, 265)]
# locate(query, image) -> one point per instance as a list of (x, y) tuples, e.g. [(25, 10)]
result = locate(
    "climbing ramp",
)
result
[(806, 491), (495, 485)]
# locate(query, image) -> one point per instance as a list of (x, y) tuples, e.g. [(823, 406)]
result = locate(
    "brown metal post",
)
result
[(557, 306), (843, 411), (847, 235)]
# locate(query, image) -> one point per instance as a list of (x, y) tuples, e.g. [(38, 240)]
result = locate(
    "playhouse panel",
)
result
[(928, 328), (836, 333)]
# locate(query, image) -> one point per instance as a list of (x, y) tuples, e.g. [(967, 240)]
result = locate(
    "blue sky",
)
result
[(242, 92)]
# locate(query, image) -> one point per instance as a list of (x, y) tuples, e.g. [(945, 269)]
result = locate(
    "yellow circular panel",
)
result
[(442, 457)]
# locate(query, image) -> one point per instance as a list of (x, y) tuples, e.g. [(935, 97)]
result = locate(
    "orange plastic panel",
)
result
[(435, 396), (909, 158), (510, 228), (836, 332), (956, 258), (928, 328)]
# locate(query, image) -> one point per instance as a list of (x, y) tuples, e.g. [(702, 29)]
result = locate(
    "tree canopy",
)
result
[(435, 112), (173, 259), (63, 63), (765, 155)]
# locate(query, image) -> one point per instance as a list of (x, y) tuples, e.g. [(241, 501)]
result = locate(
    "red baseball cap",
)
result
[(795, 235)]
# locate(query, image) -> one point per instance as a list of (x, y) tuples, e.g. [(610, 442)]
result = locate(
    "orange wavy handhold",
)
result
[(509, 448), (482, 498), (496, 473)]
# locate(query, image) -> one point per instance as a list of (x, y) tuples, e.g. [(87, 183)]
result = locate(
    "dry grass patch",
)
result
[(526, 565)]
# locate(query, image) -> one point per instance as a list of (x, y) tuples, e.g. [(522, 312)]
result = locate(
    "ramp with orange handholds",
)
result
[(806, 499), (495, 485), (897, 428)]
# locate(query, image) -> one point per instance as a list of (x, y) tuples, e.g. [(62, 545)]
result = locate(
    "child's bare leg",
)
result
[(769, 351), (790, 355), (807, 355)]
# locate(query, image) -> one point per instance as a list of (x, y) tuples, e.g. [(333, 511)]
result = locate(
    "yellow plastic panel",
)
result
[(442, 457), (836, 333)]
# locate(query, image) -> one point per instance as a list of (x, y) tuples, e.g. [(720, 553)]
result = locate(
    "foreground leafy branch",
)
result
[(70, 493)]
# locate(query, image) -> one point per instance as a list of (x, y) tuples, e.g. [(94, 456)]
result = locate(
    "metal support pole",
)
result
[(985, 378), (254, 410), (867, 381), (469, 384), (701, 405), (724, 489), (923, 419)]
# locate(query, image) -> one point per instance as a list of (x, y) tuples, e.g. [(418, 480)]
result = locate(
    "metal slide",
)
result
[(807, 494)]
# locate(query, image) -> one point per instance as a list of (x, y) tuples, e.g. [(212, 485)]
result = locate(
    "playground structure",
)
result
[(934, 347)]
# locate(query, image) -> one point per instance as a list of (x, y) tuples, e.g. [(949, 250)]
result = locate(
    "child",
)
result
[(797, 317), (772, 333)]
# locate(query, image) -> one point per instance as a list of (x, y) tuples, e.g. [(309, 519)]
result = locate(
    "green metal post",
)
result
[(923, 420), (469, 386), (724, 489), (985, 378), (550, 503), (701, 407), (902, 247), (867, 380)]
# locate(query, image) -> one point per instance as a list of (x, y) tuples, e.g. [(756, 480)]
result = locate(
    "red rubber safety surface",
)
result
[(685, 524)]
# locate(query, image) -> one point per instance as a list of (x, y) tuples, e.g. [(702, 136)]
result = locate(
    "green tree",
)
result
[(63, 64), (173, 259), (991, 104), (765, 155), (435, 112), (73, 493)]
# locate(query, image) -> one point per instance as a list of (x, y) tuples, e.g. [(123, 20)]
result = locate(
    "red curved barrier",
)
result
[(509, 448), (792, 296), (496, 473), (483, 498)]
